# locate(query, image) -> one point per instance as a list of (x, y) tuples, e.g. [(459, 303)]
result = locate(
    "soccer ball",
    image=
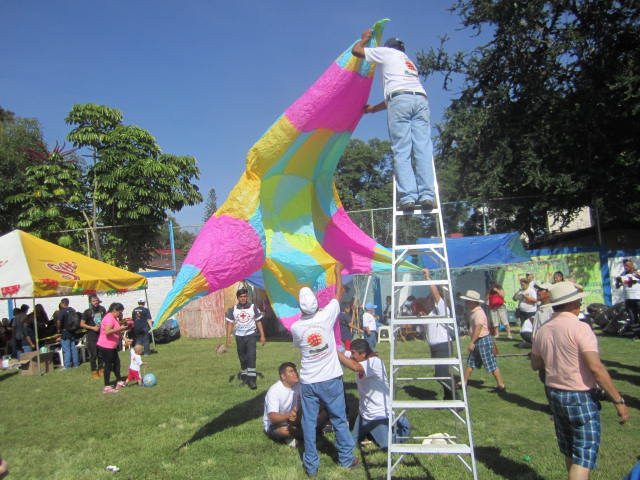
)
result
[(149, 380)]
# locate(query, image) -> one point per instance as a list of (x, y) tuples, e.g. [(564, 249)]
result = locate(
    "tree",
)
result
[(549, 114), (364, 175), (16, 135), (133, 183), (211, 206), (53, 198)]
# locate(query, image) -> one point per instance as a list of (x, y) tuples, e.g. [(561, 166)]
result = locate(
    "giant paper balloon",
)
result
[(284, 217)]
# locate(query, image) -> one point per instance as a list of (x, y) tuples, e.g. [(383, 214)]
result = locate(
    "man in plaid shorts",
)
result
[(567, 349)]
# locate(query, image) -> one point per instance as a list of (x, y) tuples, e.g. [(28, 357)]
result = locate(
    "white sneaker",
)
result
[(292, 444)]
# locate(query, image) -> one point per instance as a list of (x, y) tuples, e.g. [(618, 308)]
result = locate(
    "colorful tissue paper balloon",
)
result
[(284, 217)]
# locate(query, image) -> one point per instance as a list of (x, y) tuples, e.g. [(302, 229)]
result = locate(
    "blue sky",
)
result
[(207, 78)]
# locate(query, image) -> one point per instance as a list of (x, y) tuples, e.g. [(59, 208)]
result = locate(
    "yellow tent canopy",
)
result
[(33, 268)]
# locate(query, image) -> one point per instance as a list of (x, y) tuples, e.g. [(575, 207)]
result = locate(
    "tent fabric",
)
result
[(468, 252), (32, 267)]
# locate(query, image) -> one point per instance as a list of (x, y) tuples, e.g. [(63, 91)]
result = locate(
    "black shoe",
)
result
[(428, 204), (252, 383), (407, 207)]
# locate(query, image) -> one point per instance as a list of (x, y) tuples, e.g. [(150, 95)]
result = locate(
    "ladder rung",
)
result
[(420, 247), (428, 404), (418, 211), (422, 321), (456, 448), (409, 362), (420, 283)]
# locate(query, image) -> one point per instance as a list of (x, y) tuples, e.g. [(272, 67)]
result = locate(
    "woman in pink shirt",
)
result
[(481, 345), (108, 343)]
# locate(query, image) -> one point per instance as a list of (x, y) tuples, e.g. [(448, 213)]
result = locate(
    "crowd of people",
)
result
[(104, 331)]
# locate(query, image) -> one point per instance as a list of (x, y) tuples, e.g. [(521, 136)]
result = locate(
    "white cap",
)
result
[(141, 300), (307, 301)]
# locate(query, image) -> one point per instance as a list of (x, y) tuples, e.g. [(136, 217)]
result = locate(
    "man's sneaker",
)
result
[(101, 373), (407, 207), (251, 381), (292, 443), (95, 375), (109, 389), (428, 204)]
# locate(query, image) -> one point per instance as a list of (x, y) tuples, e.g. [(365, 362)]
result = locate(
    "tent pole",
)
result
[(35, 328)]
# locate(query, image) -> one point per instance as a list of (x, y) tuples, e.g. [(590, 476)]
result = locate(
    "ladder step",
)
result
[(435, 211), (420, 283), (412, 362), (420, 247), (408, 448), (398, 322), (427, 404)]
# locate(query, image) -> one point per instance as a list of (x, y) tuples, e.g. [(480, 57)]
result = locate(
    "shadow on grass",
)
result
[(8, 375), (408, 461), (524, 402), (632, 402), (612, 363), (477, 384), (233, 417), (624, 377), (420, 393), (505, 467)]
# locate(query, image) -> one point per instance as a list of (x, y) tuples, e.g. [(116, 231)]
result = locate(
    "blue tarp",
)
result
[(468, 252)]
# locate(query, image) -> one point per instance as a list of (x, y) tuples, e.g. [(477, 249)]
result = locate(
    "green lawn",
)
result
[(197, 424)]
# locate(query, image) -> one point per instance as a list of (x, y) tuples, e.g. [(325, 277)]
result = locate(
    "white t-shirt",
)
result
[(631, 286), (279, 399), (437, 333), (373, 388), (313, 335), (398, 72), (528, 307), (136, 361), (369, 321), (542, 316), (244, 319)]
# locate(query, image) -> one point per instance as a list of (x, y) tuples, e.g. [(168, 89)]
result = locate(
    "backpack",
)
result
[(71, 320)]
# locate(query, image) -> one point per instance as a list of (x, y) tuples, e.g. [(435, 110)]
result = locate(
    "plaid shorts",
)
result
[(483, 355), (576, 417)]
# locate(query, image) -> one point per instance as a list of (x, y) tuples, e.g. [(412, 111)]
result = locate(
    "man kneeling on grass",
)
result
[(281, 420)]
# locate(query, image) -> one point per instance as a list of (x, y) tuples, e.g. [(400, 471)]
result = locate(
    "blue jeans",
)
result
[(69, 350), (331, 393), (410, 131), (372, 339), (27, 348), (379, 430), (144, 339)]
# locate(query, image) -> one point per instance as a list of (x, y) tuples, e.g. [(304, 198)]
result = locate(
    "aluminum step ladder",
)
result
[(411, 380)]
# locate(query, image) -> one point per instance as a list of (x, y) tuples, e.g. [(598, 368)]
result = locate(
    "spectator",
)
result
[(28, 335), (544, 312), (629, 281), (498, 309), (91, 320), (142, 324), (108, 343), (369, 325), (481, 345), (346, 325), (567, 350), (527, 300), (64, 326), (559, 277), (19, 315), (281, 419)]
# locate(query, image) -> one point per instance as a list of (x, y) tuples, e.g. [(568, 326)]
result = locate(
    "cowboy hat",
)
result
[(564, 292), (472, 296)]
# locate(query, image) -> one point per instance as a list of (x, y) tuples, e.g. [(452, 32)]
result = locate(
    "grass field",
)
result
[(196, 423)]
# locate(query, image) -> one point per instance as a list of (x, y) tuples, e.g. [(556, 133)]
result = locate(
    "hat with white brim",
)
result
[(472, 296), (564, 292)]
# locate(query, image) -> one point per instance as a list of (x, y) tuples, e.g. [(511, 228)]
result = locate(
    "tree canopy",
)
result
[(549, 113)]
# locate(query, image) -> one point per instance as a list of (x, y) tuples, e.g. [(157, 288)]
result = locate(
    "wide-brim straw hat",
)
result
[(472, 296), (564, 292)]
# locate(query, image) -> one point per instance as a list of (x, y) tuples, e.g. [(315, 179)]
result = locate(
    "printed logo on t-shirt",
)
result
[(315, 340), (410, 65), (97, 319)]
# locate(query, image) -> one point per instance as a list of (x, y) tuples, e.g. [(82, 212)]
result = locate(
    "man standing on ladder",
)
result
[(407, 119)]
